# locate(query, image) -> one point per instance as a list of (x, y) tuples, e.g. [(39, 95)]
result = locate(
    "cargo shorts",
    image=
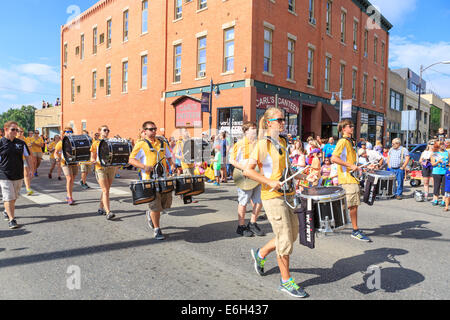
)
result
[(108, 173), (284, 224), (10, 189), (244, 196), (352, 194), (161, 203)]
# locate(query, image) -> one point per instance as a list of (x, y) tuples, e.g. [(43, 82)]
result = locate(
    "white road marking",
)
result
[(115, 191), (40, 198)]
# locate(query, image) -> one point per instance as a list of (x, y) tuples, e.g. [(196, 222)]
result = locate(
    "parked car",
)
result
[(415, 150)]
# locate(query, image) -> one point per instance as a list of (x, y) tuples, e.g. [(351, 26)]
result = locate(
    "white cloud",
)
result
[(396, 11), (406, 53), (42, 71)]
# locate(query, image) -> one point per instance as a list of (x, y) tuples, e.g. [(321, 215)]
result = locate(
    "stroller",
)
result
[(415, 174)]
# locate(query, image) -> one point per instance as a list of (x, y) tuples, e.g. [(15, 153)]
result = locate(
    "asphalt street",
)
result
[(69, 252)]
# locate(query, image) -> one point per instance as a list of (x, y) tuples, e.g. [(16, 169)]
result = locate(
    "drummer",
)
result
[(144, 158), (105, 175), (85, 169), (239, 158), (187, 168), (345, 156), (70, 171), (284, 222)]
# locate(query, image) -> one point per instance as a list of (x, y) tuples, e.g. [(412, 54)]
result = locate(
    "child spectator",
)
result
[(217, 164)]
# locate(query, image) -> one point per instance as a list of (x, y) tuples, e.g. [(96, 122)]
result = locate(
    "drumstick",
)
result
[(292, 177)]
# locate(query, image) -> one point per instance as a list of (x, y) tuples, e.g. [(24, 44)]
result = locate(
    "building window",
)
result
[(144, 27), (375, 49), (268, 34), (383, 48), (425, 117), (310, 78), (83, 125), (366, 39), (202, 4), (108, 81), (382, 94), (291, 5), (342, 77), (94, 40), (354, 76), (125, 77), (144, 72), (328, 16), (355, 35), (201, 57), (108, 33), (72, 90), (65, 53), (291, 59), (94, 84), (343, 22), (396, 101), (365, 88), (125, 26), (177, 64), (82, 47), (229, 50), (374, 94), (178, 9), (327, 73), (311, 12)]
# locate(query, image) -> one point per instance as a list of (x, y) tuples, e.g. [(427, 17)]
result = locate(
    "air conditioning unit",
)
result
[(202, 74)]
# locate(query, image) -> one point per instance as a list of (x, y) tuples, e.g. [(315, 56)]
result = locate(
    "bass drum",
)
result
[(114, 152), (77, 149), (196, 150)]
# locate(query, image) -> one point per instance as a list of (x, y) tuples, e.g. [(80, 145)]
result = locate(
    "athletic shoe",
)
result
[(86, 186), (49, 175), (262, 217), (13, 224), (29, 192), (117, 176), (5, 216), (159, 235), (244, 231), (442, 204), (253, 227), (398, 197), (259, 263), (359, 235), (110, 216), (434, 203), (101, 212), (70, 201), (292, 289), (216, 184), (36, 174)]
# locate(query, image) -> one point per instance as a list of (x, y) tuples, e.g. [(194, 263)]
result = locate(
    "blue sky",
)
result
[(30, 60)]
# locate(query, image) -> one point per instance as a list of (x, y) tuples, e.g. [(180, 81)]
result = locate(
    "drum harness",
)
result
[(155, 174)]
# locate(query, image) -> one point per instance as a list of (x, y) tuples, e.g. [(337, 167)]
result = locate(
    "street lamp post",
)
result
[(422, 70), (210, 104), (333, 102)]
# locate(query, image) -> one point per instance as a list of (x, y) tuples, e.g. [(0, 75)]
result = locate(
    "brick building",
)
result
[(132, 60)]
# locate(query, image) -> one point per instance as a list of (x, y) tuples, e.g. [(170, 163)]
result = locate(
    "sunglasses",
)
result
[(278, 119), (14, 130), (106, 130), (68, 131), (151, 129)]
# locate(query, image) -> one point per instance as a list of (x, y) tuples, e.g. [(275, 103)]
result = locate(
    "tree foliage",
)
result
[(23, 116)]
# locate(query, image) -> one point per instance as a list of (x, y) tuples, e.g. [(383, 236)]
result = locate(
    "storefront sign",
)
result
[(346, 112), (264, 101), (188, 114)]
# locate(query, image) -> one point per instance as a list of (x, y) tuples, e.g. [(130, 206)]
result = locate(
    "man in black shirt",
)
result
[(12, 154)]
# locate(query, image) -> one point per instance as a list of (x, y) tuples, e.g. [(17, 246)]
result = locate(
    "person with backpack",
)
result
[(398, 158)]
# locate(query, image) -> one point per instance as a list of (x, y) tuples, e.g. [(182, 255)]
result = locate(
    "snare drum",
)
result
[(183, 185), (77, 149), (329, 206), (386, 183), (114, 152), (199, 186), (143, 191)]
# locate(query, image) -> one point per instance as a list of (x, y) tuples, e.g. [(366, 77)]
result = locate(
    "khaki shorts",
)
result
[(106, 173), (352, 193), (85, 168), (10, 189), (38, 154), (162, 202), (284, 224), (189, 171), (70, 170)]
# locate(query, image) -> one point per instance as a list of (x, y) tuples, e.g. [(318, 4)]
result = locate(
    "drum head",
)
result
[(382, 173), (104, 154), (68, 152), (321, 191)]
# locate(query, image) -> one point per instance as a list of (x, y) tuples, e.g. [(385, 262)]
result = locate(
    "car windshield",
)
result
[(411, 147)]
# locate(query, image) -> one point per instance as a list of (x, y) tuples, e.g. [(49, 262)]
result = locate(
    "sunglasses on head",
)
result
[(151, 129)]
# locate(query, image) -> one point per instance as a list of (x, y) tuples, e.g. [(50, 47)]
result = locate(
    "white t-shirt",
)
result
[(374, 156), (426, 155)]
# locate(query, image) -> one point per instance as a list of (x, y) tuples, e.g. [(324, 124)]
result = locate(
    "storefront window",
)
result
[(231, 121)]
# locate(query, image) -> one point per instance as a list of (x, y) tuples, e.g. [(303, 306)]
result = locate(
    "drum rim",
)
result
[(325, 198), (375, 175)]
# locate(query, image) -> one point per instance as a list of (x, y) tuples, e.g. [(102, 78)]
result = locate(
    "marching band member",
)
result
[(344, 155), (239, 158), (105, 176), (26, 165), (145, 156), (271, 160), (70, 171), (85, 168), (53, 163)]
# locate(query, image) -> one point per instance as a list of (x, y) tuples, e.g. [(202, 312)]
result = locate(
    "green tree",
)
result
[(23, 116)]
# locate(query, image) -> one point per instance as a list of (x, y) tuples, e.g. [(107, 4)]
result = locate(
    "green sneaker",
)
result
[(293, 289), (29, 192), (259, 263)]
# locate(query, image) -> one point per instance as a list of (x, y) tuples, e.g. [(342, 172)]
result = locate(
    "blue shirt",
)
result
[(447, 181), (328, 150), (440, 168)]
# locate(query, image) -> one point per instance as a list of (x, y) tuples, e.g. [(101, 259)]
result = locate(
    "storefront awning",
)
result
[(329, 114)]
